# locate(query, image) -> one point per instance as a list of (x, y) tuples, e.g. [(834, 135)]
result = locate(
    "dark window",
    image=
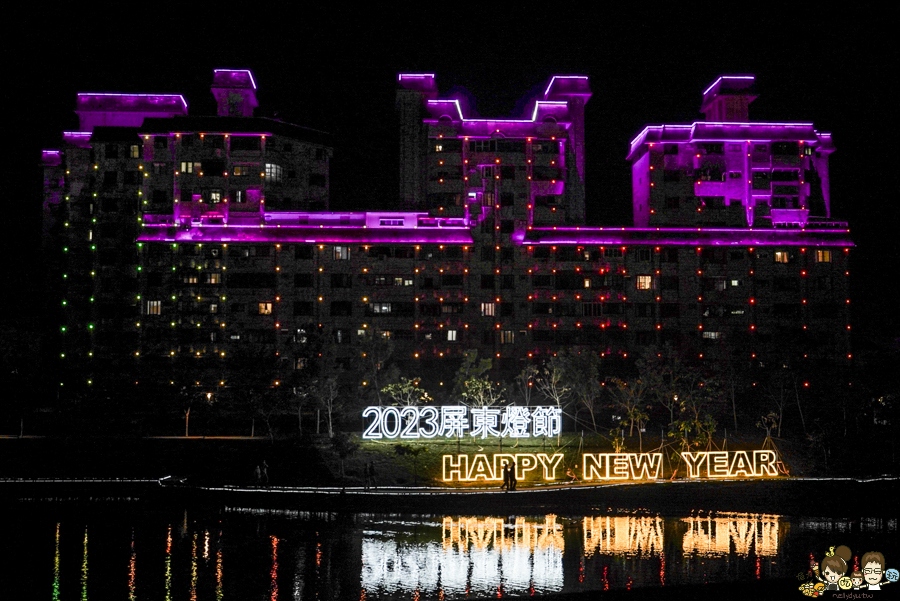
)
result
[(487, 253), (245, 143), (668, 282), (303, 280), (452, 281), (508, 172), (507, 281), (507, 254), (671, 148), (161, 142), (341, 280), (317, 179), (541, 252), (132, 178), (542, 281), (507, 309), (786, 148), (669, 310), (160, 197), (251, 280), (110, 178), (487, 282), (303, 308), (341, 309), (303, 253), (670, 255)]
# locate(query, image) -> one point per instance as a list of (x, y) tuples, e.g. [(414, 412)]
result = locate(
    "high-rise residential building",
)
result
[(179, 239)]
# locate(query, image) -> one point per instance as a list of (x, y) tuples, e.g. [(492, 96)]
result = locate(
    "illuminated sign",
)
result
[(622, 466), (464, 470), (705, 464), (718, 464), (453, 421)]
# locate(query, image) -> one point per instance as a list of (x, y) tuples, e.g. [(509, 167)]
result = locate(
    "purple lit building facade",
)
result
[(208, 237)]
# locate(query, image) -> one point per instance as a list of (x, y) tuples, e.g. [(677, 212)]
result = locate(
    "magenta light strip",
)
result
[(555, 77), (694, 125), (727, 77), (247, 71), (532, 120), (539, 102), (123, 95), (400, 76)]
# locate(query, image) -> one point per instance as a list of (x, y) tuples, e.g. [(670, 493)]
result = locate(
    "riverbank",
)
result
[(829, 498)]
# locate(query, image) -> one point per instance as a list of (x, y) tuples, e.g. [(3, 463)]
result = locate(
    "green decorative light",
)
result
[(62, 329), (140, 245), (65, 302), (140, 268), (91, 299), (65, 275), (90, 326), (65, 249), (93, 247)]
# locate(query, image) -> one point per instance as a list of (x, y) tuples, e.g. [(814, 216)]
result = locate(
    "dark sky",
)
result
[(335, 70)]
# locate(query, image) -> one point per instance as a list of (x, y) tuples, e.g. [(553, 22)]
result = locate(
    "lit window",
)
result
[(391, 222), (385, 333), (265, 308), (735, 283), (712, 335), (451, 336), (191, 167), (403, 281), (154, 307), (587, 282), (823, 256), (213, 278), (341, 253), (134, 151), (215, 196), (488, 309), (439, 148), (189, 279), (782, 256), (244, 170), (273, 172), (644, 282), (507, 337), (379, 308), (214, 308)]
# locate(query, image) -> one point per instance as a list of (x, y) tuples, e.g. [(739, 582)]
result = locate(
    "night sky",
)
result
[(335, 70)]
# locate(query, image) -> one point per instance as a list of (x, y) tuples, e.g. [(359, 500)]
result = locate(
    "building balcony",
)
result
[(789, 217)]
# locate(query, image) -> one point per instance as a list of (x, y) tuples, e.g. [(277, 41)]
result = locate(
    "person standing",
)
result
[(265, 472)]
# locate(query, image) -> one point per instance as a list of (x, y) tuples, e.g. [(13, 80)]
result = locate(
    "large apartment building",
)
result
[(176, 237)]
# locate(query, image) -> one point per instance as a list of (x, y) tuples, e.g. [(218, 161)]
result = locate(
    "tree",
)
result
[(471, 367), (664, 372), (406, 392), (583, 377), (525, 383), (187, 396), (327, 396), (630, 400), (551, 384), (481, 392), (374, 353), (345, 446)]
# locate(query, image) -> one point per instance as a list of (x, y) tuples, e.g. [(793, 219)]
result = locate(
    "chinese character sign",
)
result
[(456, 421)]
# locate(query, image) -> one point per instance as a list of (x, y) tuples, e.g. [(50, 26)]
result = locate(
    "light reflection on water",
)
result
[(295, 555)]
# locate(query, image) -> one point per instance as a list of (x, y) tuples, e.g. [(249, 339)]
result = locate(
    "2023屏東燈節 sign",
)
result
[(454, 421), (608, 466)]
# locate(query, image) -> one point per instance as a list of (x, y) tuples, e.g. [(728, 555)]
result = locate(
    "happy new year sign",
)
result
[(609, 466)]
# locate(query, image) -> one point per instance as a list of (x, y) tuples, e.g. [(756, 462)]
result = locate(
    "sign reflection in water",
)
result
[(477, 555), (711, 537)]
